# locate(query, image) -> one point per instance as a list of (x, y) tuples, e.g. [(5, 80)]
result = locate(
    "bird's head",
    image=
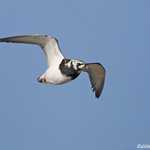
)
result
[(75, 64)]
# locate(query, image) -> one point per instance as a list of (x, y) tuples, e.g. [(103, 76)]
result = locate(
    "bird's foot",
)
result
[(42, 79)]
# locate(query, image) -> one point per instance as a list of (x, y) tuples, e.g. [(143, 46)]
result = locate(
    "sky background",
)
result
[(115, 33)]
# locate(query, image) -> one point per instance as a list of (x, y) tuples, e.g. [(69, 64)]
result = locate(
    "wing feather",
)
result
[(96, 74), (48, 44), (40, 40)]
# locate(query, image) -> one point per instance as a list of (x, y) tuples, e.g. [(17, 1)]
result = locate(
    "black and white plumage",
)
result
[(61, 70)]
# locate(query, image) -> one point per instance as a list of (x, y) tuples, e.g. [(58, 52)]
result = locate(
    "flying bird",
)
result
[(60, 69)]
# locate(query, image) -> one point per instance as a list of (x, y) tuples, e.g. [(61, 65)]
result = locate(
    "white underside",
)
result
[(54, 58), (54, 76)]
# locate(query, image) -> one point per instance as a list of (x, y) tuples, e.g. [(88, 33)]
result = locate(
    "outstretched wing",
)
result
[(48, 44), (96, 74)]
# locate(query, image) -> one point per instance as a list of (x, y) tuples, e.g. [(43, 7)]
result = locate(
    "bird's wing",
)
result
[(96, 74), (48, 44)]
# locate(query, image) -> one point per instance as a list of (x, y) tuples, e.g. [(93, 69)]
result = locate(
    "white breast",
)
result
[(54, 57), (54, 76)]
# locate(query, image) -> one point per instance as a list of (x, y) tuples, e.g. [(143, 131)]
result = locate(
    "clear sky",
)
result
[(115, 33)]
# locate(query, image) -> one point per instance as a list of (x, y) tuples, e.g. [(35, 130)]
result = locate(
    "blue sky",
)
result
[(68, 117)]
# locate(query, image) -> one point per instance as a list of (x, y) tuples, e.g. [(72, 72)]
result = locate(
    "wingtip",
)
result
[(1, 40), (97, 94)]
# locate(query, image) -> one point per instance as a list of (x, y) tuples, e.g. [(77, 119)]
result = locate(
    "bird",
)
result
[(61, 69)]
